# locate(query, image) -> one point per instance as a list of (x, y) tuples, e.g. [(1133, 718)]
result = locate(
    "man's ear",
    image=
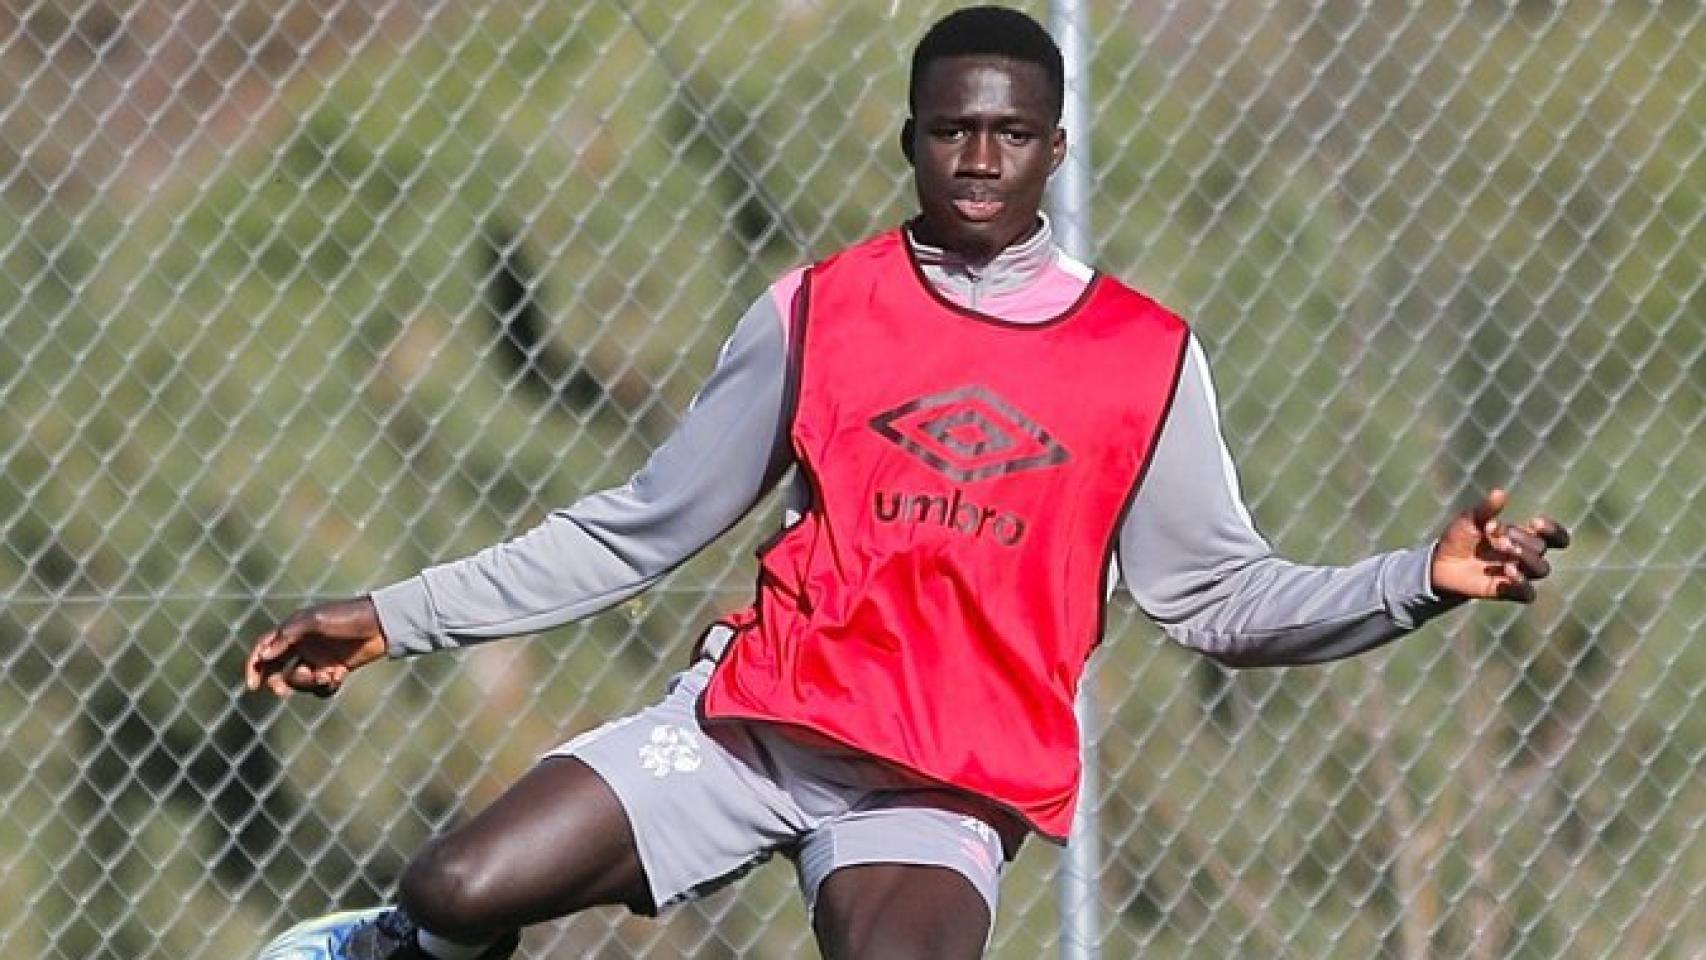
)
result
[(1057, 149), (907, 130)]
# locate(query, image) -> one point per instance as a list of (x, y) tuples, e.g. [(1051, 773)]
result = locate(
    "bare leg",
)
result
[(900, 912), (555, 843)]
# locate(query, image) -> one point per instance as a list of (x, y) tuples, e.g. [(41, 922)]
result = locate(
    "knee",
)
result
[(447, 890)]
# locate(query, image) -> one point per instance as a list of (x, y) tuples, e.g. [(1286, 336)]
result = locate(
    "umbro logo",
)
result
[(969, 434)]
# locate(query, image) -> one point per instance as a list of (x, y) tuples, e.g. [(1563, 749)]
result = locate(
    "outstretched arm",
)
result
[(613, 544), (1195, 563), (606, 547)]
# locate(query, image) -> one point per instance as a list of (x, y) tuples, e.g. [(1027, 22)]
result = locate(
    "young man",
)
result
[(894, 712)]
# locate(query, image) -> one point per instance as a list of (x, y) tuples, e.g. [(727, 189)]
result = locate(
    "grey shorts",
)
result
[(707, 805)]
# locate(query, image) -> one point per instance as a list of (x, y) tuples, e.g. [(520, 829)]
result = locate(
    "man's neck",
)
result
[(1013, 269)]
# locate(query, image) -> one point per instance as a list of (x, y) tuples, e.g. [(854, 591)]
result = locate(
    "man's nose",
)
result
[(982, 156)]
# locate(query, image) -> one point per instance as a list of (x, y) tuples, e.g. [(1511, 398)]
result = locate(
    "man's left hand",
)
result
[(1480, 557)]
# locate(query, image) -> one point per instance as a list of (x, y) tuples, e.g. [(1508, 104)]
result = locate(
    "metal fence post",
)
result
[(1070, 208)]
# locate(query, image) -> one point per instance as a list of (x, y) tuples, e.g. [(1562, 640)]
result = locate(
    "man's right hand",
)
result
[(315, 649)]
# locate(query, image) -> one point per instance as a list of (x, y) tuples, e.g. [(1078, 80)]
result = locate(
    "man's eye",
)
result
[(1018, 137), (950, 133)]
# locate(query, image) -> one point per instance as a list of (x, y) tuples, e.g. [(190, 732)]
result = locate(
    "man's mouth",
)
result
[(979, 209)]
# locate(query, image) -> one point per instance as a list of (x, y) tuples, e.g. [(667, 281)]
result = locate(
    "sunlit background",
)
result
[(298, 296)]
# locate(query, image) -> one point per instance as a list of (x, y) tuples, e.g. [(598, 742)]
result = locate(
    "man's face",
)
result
[(982, 146)]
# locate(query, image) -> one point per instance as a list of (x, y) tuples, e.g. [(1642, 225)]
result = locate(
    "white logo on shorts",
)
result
[(671, 749), (984, 831), (979, 851)]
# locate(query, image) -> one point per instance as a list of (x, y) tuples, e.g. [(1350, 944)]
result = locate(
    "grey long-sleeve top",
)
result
[(1187, 552)]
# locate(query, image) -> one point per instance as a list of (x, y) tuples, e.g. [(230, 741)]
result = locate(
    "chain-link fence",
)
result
[(299, 296)]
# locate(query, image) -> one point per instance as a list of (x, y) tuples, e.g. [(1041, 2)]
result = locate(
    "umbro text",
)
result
[(952, 511)]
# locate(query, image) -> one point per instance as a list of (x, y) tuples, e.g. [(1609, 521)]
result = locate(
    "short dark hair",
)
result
[(990, 32)]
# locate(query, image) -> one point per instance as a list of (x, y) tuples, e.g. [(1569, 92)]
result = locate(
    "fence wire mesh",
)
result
[(299, 296)]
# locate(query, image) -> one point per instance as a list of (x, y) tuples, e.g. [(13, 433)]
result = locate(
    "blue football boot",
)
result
[(378, 933)]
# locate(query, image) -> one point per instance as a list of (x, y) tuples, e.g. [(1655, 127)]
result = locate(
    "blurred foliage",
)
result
[(1428, 252)]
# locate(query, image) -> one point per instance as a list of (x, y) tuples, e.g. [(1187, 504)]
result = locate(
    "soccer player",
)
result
[(978, 425)]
